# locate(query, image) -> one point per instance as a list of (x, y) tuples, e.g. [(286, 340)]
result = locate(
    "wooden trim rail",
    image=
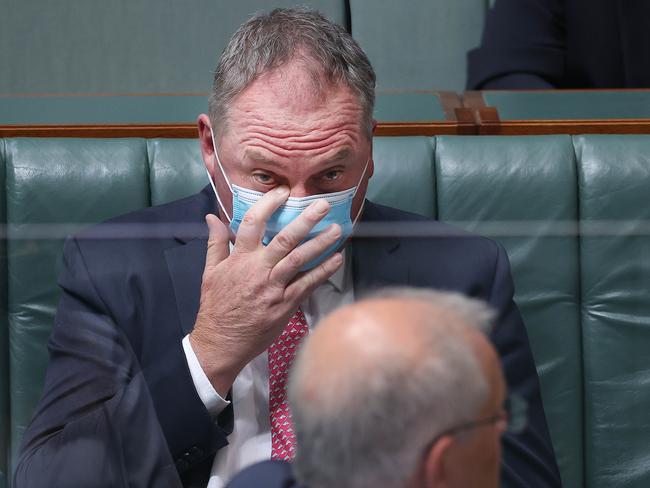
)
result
[(185, 131), (182, 131)]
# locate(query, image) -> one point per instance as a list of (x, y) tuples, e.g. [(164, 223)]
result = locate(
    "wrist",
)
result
[(220, 369)]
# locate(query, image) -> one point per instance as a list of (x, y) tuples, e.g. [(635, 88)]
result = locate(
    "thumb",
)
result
[(218, 239)]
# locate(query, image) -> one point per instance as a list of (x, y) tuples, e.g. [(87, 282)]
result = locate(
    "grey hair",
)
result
[(269, 41), (382, 422)]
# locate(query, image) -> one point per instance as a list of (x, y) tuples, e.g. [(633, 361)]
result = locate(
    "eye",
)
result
[(263, 178), (332, 175)]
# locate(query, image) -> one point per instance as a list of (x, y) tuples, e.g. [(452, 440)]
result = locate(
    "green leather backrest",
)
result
[(614, 181), (411, 189), (516, 190), (4, 331), (54, 186), (176, 169), (419, 44)]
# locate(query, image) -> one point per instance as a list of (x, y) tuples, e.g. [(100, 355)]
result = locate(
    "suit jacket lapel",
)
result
[(185, 264), (186, 261), (376, 261)]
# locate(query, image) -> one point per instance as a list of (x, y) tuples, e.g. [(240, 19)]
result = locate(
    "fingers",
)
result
[(217, 241), (294, 233), (308, 282), (251, 229), (290, 266)]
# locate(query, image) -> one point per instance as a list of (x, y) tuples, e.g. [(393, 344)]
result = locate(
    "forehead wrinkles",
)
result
[(283, 114), (316, 143), (285, 138), (298, 119)]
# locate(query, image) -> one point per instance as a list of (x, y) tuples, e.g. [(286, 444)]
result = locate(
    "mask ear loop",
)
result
[(354, 222), (214, 146)]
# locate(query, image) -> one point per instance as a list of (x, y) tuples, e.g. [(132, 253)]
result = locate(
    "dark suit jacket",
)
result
[(128, 301), (563, 44), (269, 474)]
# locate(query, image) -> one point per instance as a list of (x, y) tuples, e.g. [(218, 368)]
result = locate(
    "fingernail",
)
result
[(335, 230), (337, 258), (321, 206), (282, 191)]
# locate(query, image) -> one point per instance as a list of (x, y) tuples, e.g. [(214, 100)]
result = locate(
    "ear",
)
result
[(435, 473), (205, 142)]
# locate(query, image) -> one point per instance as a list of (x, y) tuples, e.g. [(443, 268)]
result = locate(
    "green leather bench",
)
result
[(572, 212)]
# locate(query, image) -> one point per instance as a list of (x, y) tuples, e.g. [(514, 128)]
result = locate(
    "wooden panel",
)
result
[(420, 129), (124, 130), (466, 126), (572, 127)]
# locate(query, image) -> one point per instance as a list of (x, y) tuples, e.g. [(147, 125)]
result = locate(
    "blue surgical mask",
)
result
[(340, 209)]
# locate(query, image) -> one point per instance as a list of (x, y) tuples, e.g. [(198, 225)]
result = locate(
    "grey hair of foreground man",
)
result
[(270, 41), (367, 420)]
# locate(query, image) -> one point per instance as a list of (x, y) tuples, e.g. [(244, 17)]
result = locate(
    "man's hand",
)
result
[(248, 295)]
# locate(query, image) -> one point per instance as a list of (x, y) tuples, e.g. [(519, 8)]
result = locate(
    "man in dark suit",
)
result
[(211, 317), (404, 350), (563, 44)]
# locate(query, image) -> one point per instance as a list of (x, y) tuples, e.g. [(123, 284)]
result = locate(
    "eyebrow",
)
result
[(260, 158)]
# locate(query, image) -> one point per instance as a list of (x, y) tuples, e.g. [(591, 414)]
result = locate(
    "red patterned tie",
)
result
[(281, 354)]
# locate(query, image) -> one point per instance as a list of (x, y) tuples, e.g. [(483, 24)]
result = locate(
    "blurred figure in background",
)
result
[(563, 44), (400, 390)]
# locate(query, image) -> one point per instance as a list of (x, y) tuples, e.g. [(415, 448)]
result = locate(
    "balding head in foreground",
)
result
[(401, 389)]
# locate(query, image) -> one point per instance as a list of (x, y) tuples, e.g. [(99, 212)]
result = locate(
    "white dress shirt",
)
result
[(250, 440)]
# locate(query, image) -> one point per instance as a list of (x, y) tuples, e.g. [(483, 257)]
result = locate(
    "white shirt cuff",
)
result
[(208, 395)]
